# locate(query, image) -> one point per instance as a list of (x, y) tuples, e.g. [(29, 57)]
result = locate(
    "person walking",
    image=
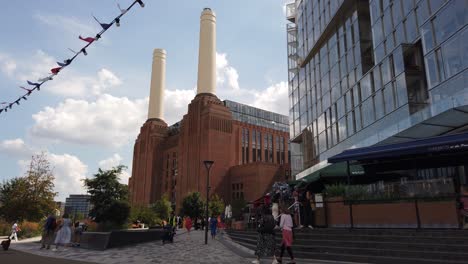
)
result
[(286, 224), (48, 231), (213, 226), (188, 225), (14, 231), (78, 231), (64, 233), (266, 236)]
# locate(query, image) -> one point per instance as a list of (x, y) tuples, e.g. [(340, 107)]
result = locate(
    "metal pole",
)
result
[(207, 202)]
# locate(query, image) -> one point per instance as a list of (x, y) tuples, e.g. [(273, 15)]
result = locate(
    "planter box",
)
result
[(397, 214), (438, 214), (337, 212), (118, 238)]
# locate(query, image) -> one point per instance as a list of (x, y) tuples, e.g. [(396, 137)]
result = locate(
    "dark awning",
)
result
[(434, 145)]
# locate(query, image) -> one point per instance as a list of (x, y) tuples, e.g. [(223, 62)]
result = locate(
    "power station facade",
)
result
[(249, 146)]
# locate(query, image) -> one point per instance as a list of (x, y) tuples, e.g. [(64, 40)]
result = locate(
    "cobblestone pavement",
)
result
[(185, 249)]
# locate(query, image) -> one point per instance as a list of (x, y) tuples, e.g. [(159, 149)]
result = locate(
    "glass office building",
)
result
[(366, 72), (78, 204)]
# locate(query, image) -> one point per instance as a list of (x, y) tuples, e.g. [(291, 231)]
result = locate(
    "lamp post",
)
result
[(208, 164)]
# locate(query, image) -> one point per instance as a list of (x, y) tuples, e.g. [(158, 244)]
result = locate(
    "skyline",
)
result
[(87, 96)]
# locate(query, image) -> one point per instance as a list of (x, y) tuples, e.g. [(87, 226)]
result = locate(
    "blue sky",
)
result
[(90, 114)]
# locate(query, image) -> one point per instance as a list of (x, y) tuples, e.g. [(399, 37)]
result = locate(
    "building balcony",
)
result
[(291, 12)]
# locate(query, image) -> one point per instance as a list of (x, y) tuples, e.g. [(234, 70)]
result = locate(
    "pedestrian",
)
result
[(48, 231), (213, 226), (286, 225), (188, 224), (266, 236), (308, 215), (64, 232), (78, 231), (14, 231)]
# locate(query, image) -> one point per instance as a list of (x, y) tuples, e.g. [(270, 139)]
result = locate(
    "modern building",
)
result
[(376, 72), (78, 204), (249, 146)]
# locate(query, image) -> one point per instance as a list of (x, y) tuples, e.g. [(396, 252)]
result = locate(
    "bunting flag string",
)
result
[(4, 106)]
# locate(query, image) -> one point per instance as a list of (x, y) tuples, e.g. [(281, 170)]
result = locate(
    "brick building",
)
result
[(249, 146)]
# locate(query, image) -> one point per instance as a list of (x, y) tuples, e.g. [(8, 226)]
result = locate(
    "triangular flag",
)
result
[(88, 39), (17, 102), (1, 110), (35, 84), (56, 70), (103, 25), (64, 63)]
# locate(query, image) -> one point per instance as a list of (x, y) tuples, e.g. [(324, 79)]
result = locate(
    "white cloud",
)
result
[(110, 162), (15, 147), (226, 75), (69, 170), (108, 121), (274, 98), (176, 104), (69, 83)]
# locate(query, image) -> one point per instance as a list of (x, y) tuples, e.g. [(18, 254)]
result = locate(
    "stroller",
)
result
[(169, 233)]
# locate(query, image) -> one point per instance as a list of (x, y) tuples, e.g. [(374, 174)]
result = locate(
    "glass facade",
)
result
[(362, 71), (78, 204), (256, 116)]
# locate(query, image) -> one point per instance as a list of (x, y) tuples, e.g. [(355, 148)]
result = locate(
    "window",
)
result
[(379, 105), (368, 116), (455, 54), (389, 98), (366, 88), (401, 92)]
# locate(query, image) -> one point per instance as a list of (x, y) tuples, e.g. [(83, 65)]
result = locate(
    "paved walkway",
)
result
[(185, 249)]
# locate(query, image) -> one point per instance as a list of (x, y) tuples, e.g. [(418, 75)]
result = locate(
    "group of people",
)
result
[(59, 232), (177, 222)]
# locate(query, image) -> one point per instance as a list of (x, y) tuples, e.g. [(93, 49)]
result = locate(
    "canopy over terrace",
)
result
[(433, 152)]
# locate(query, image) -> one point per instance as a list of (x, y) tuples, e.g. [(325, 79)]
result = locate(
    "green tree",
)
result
[(144, 214), (216, 205), (30, 197), (162, 208), (108, 196), (192, 205)]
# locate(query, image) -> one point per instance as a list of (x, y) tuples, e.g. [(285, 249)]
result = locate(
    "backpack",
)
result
[(268, 224)]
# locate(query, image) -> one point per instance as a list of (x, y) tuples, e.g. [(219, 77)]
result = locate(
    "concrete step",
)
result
[(434, 245), (359, 258), (368, 238)]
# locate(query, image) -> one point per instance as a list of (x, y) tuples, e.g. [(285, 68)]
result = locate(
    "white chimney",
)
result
[(158, 85), (207, 53)]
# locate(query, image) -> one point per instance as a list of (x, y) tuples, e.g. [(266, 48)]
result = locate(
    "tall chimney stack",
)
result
[(158, 83), (207, 53)]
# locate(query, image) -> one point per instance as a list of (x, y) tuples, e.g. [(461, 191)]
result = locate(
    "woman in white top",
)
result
[(64, 233), (286, 225)]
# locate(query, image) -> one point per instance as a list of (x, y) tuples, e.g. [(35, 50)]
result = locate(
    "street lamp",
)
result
[(208, 165)]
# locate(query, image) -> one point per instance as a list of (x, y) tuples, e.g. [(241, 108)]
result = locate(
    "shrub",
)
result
[(29, 229), (335, 190), (5, 228)]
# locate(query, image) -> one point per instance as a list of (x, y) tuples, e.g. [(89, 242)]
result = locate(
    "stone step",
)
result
[(433, 246), (371, 238), (355, 250), (376, 259)]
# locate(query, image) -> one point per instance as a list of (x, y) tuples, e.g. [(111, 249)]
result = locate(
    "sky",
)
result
[(89, 116)]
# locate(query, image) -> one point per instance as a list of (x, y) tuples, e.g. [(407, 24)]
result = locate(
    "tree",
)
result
[(216, 205), (108, 196), (192, 205), (144, 214), (162, 208), (30, 197)]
